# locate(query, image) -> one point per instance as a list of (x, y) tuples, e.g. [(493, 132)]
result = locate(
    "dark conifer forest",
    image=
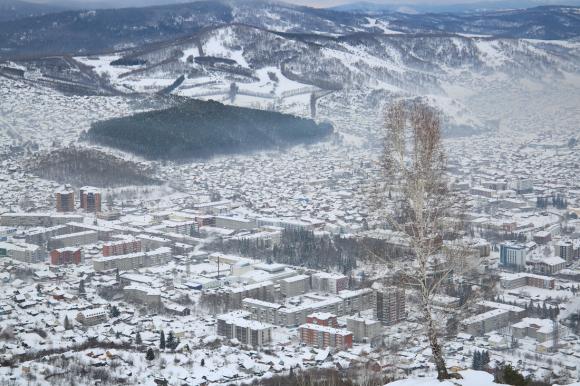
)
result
[(197, 129)]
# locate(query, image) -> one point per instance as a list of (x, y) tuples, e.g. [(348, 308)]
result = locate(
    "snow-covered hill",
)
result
[(470, 378), (96, 31), (291, 59), (278, 70)]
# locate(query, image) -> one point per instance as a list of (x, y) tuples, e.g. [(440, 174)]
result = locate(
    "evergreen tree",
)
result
[(150, 354), (82, 290), (138, 340), (67, 324), (171, 341), (202, 362), (511, 376), (476, 361), (114, 312), (484, 359), (452, 326), (162, 340)]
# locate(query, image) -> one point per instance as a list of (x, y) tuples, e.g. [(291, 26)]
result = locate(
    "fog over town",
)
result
[(305, 193)]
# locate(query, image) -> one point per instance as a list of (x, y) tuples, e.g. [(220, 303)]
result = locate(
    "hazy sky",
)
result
[(318, 3), (411, 3)]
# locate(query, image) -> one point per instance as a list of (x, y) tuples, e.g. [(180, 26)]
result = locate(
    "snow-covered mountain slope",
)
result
[(271, 69), (101, 30), (292, 59)]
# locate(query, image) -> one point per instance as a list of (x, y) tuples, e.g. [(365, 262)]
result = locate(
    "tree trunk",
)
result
[(436, 351)]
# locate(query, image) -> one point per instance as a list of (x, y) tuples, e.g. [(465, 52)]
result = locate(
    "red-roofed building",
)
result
[(65, 256), (322, 319), (323, 336)]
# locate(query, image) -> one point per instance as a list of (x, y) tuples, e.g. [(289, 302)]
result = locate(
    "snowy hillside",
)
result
[(274, 70), (470, 378)]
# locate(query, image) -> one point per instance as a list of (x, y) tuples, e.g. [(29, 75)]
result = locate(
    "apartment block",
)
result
[(235, 325), (103, 233), (261, 291), (65, 200), (235, 223), (133, 260), (73, 239), (180, 227), (294, 286), (37, 219), (41, 236), (346, 303), (521, 186), (329, 282), (488, 321), (92, 316), (142, 294), (122, 247), (356, 301), (512, 255), (64, 256), (568, 249), (541, 330), (515, 313), (322, 336), (364, 330), (390, 302), (27, 253), (152, 242), (261, 310), (322, 319), (7, 231), (549, 265), (516, 280), (90, 199), (481, 191), (499, 316)]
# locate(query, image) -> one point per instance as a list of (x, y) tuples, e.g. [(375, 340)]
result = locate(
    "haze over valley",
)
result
[(262, 193)]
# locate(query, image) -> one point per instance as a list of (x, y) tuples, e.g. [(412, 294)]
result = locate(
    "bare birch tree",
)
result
[(414, 200)]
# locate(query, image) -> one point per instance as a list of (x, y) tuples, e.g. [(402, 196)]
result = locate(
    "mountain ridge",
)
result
[(98, 31)]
